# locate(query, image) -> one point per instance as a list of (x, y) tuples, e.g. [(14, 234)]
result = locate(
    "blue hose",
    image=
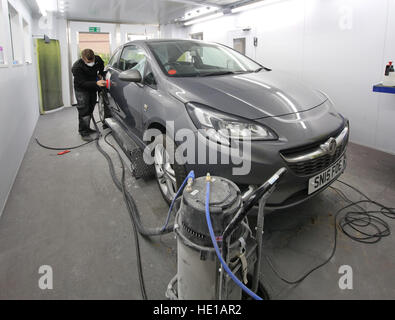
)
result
[(214, 241), (191, 175)]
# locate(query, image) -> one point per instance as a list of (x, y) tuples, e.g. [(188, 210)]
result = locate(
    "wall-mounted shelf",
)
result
[(383, 89)]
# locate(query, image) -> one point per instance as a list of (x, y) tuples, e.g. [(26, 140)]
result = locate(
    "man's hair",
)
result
[(88, 54)]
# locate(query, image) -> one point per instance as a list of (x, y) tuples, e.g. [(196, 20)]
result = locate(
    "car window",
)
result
[(213, 56), (133, 57), (114, 59), (195, 58)]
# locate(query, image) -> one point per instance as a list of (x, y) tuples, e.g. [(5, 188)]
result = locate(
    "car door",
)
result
[(129, 96), (112, 77), (151, 96)]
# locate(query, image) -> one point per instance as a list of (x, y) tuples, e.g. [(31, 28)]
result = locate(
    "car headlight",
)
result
[(222, 128)]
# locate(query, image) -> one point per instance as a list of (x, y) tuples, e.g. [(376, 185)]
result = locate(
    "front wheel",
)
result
[(169, 174)]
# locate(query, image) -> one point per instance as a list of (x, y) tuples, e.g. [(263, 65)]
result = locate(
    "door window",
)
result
[(114, 60), (133, 57)]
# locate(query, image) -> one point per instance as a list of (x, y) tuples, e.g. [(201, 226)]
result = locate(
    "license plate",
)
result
[(324, 178)]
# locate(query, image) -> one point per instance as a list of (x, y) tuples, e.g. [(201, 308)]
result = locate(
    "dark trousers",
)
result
[(86, 105)]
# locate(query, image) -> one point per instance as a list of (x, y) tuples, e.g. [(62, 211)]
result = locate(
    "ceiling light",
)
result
[(199, 12), (212, 16), (42, 7), (253, 5), (46, 6)]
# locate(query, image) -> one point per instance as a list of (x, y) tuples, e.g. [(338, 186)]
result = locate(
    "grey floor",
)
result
[(66, 213)]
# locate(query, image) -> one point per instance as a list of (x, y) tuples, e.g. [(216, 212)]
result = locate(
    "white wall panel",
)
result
[(344, 58), (18, 108), (279, 28), (146, 31)]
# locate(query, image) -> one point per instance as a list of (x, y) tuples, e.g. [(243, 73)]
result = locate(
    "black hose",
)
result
[(70, 148), (364, 225), (130, 208), (243, 212), (266, 189), (129, 201), (294, 282), (123, 189), (357, 221), (134, 212), (65, 148), (144, 231)]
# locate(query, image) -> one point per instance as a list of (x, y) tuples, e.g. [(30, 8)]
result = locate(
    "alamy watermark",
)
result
[(346, 281), (213, 147), (45, 282)]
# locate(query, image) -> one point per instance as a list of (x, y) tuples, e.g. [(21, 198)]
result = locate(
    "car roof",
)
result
[(160, 40)]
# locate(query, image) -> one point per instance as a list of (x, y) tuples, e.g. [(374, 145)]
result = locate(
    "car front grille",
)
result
[(311, 160), (311, 167)]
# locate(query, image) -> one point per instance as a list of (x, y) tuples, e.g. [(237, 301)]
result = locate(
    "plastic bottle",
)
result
[(389, 78)]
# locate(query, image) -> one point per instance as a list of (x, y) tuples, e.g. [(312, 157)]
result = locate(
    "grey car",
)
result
[(216, 93)]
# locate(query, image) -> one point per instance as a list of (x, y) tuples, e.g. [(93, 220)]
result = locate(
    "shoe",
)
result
[(86, 137), (91, 131)]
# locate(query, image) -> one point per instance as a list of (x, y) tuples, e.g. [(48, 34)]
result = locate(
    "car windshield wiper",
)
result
[(260, 69), (218, 73)]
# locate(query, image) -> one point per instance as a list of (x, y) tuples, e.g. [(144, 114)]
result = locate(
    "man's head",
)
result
[(88, 56)]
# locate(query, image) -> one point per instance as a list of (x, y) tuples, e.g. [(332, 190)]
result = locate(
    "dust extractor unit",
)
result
[(219, 256)]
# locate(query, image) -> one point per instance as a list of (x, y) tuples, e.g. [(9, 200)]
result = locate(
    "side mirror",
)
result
[(130, 76)]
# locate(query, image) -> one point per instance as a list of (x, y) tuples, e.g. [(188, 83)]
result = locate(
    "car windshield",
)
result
[(199, 59)]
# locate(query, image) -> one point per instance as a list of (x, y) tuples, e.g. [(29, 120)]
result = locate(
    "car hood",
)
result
[(251, 96)]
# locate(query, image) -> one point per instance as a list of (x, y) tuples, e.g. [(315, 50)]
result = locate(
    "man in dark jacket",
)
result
[(88, 75)]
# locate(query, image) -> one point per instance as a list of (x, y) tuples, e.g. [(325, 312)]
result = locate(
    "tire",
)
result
[(165, 172)]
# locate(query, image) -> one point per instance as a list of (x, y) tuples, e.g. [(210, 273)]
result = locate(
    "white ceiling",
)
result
[(133, 11)]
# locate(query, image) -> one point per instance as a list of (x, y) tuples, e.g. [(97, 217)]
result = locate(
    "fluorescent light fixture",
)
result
[(47, 5), (42, 6), (211, 16), (253, 5), (198, 12)]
